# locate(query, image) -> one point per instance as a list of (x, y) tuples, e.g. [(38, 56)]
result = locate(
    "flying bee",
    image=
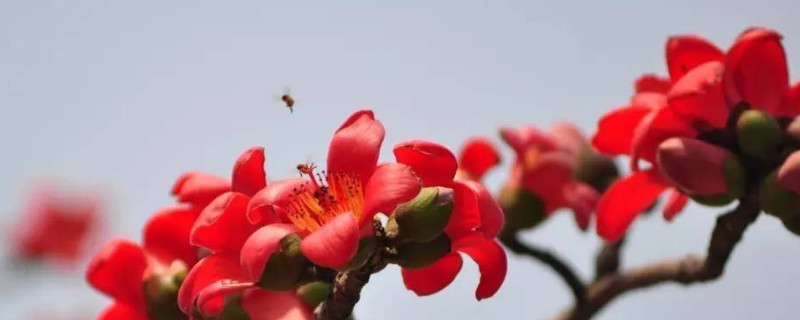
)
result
[(306, 168), (288, 100)]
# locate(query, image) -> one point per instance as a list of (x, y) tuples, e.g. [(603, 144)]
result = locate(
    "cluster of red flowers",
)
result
[(721, 127)]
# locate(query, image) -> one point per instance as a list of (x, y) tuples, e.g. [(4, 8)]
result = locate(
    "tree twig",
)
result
[(727, 233), (607, 260), (562, 268)]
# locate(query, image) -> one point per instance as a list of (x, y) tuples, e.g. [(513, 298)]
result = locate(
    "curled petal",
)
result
[(466, 216), (548, 177), (615, 130), (248, 173), (789, 173), (356, 145), (272, 305), (199, 188), (267, 206), (223, 225), (698, 97), (118, 311), (118, 271), (208, 271), (756, 71), (334, 244), (211, 300), (652, 83), (491, 216), (166, 235), (656, 127), (491, 260), (477, 156), (391, 184), (684, 53), (676, 201), (624, 200), (260, 246), (432, 279), (431, 162), (582, 199)]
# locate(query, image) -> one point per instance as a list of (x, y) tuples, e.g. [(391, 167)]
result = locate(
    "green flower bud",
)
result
[(415, 255), (232, 311), (758, 134), (314, 293), (596, 170), (161, 293), (735, 179), (522, 209), (792, 223), (778, 200), (423, 218), (366, 247), (284, 268)]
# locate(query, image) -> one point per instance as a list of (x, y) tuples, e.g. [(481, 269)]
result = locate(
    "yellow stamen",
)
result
[(313, 207)]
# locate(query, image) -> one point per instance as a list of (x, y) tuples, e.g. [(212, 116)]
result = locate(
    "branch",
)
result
[(565, 271), (727, 233), (607, 260)]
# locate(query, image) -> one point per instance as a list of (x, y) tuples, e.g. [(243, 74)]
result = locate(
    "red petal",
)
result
[(548, 177), (466, 216), (624, 200), (527, 137), (615, 130), (791, 107), (267, 205), (356, 145), (118, 271), (582, 199), (756, 71), (491, 260), (211, 300), (271, 305), (698, 96), (166, 235), (205, 273), (568, 138), (696, 167), (432, 279), (656, 127), (391, 184), (652, 83), (334, 244), (199, 188), (491, 215), (676, 201), (257, 250), (433, 163), (223, 225), (248, 172), (684, 53), (477, 156), (119, 311)]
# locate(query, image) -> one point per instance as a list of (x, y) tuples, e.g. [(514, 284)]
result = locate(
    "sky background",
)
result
[(123, 97)]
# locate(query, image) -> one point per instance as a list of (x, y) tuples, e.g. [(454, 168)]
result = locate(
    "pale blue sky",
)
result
[(129, 95)]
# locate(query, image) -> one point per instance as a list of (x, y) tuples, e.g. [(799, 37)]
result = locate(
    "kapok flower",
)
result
[(475, 221), (707, 87), (476, 157), (56, 227), (547, 167), (328, 213)]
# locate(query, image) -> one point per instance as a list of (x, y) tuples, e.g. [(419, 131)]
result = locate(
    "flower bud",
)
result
[(596, 170), (232, 311), (415, 255), (366, 247), (285, 266), (709, 174), (314, 293), (423, 218), (523, 210), (758, 133), (779, 191), (161, 292)]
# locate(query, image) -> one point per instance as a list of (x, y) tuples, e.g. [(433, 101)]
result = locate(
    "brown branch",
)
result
[(562, 268), (727, 233), (607, 260)]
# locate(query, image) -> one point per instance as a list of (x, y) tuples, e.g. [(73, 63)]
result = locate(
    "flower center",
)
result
[(329, 195)]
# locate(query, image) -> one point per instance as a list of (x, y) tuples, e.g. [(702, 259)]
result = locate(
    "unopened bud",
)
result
[(596, 170), (415, 255), (285, 266), (314, 293), (423, 218), (366, 247), (776, 199), (709, 174), (522, 209), (161, 292), (758, 133)]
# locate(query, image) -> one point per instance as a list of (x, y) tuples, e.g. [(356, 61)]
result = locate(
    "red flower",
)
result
[(331, 211), (56, 227), (477, 156), (706, 85), (475, 222), (546, 165)]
